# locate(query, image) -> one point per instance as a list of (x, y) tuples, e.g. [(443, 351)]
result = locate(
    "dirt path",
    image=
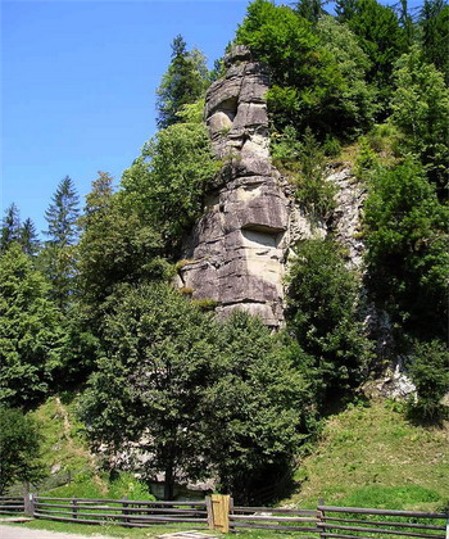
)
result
[(15, 532)]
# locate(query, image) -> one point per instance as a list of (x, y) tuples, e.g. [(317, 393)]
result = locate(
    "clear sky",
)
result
[(78, 85)]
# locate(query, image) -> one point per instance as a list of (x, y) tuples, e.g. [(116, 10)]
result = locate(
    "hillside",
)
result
[(370, 456)]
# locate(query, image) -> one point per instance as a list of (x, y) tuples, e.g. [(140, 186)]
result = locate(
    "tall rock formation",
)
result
[(236, 253)]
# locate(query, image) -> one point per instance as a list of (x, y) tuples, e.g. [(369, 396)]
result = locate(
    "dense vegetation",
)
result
[(92, 310)]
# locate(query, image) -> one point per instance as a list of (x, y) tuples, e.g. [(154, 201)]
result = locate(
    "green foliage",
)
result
[(184, 82), (19, 449), (58, 255), (355, 110), (421, 112), (434, 23), (317, 77), (322, 314), (10, 231), (166, 183), (312, 190), (62, 214), (407, 257), (311, 10), (30, 331), (258, 408), (150, 387), (29, 238), (117, 246), (381, 38), (429, 371)]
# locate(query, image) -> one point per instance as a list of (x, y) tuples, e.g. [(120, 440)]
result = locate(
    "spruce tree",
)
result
[(58, 255), (62, 214), (183, 83), (10, 231), (29, 238)]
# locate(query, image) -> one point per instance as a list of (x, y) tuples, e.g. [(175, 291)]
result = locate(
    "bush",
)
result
[(429, 371)]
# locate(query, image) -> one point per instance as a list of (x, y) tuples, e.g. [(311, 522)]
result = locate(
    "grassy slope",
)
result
[(372, 457), (72, 469)]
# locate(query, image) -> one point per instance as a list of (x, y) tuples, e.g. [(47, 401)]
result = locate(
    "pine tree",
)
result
[(312, 10), (58, 255), (10, 231), (183, 83), (62, 214), (434, 21), (29, 238)]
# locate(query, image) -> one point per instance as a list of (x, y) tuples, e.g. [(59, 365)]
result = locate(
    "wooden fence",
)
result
[(125, 512), (351, 522), (11, 505), (219, 513)]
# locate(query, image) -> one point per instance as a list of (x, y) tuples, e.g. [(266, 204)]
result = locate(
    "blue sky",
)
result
[(78, 85)]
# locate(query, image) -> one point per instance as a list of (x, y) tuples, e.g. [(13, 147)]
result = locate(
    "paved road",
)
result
[(15, 532)]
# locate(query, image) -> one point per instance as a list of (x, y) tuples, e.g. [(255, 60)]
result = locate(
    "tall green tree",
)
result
[(149, 389), (19, 448), (167, 181), (259, 408), (407, 255), (380, 36), (10, 231), (30, 331), (184, 82), (58, 256), (309, 88), (323, 316), (434, 23), (421, 111), (29, 238)]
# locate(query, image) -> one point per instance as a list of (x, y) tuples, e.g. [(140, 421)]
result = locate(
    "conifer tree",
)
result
[(29, 238), (62, 214), (183, 83), (10, 231), (58, 255)]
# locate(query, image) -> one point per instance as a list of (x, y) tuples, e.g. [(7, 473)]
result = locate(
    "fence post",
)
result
[(125, 512), (218, 512), (28, 504), (447, 529), (321, 519), (74, 508), (210, 513)]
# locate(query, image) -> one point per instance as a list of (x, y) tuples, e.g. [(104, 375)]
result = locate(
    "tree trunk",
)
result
[(169, 482)]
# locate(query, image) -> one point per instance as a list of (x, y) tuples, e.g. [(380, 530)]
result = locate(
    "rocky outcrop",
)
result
[(236, 253)]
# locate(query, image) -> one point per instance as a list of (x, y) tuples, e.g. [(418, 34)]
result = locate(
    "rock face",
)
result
[(236, 253)]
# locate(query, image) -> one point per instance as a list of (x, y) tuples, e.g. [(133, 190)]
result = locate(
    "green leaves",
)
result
[(167, 181), (31, 335), (408, 261), (322, 314), (19, 448)]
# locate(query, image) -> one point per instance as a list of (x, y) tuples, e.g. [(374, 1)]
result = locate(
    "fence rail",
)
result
[(11, 505), (130, 513), (356, 522), (291, 520)]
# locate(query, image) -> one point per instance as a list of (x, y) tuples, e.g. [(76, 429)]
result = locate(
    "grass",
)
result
[(371, 456), (144, 533), (72, 470)]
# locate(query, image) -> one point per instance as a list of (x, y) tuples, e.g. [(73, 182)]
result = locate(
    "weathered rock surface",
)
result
[(236, 253)]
